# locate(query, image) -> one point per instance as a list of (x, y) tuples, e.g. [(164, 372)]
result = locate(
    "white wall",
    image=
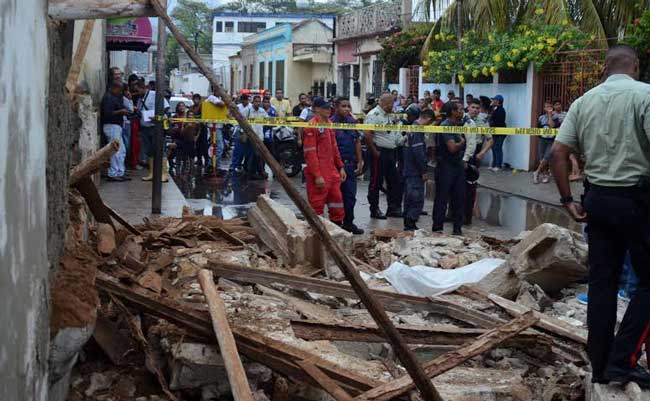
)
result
[(518, 104), (93, 70), (24, 269)]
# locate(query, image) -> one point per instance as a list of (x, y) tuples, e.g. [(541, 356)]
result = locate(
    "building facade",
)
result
[(358, 34), (187, 79), (230, 29), (296, 58)]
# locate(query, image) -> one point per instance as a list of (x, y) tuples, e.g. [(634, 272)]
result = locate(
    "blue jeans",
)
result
[(241, 151), (113, 132), (497, 150), (126, 137), (628, 279)]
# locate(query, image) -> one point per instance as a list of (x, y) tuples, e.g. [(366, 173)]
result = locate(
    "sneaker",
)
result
[(377, 214), (535, 177), (582, 299), (637, 374), (622, 294), (545, 179)]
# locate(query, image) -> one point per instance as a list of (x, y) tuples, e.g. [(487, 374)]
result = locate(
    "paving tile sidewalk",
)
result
[(520, 184), (132, 199)]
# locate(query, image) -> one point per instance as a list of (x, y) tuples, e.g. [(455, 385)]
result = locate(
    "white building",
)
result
[(187, 79), (229, 29)]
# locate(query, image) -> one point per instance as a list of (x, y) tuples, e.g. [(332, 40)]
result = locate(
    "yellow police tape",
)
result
[(428, 129)]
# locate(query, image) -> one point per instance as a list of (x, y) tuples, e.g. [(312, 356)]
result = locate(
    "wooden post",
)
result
[(78, 58), (460, 20), (93, 163), (159, 132), (375, 308), (241, 390), (99, 9)]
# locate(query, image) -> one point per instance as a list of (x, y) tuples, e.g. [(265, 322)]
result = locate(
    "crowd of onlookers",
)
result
[(389, 159)]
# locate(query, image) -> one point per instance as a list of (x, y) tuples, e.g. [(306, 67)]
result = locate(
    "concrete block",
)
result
[(502, 281), (551, 257), (195, 365)]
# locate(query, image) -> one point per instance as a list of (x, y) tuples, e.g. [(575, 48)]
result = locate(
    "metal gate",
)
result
[(414, 81), (377, 71), (570, 75)]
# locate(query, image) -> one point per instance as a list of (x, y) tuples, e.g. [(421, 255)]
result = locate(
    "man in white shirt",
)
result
[(147, 108), (255, 163)]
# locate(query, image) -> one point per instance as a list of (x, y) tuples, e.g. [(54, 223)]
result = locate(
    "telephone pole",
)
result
[(460, 21)]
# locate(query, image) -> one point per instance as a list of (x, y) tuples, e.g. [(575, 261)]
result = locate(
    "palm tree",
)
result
[(605, 19)]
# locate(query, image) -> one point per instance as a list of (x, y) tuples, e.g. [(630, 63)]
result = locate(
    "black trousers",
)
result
[(450, 190), (382, 169), (617, 222)]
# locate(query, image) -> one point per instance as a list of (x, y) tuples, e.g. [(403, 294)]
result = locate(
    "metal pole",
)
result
[(460, 20), (159, 132)]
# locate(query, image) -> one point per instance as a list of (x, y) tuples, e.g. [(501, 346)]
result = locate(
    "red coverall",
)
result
[(323, 160)]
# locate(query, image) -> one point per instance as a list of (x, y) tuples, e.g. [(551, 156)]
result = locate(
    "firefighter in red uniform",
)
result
[(325, 170)]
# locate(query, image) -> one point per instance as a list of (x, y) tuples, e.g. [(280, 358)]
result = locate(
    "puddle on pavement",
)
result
[(232, 196), (517, 214)]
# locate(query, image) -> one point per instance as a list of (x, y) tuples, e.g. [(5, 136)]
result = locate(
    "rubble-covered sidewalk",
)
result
[(132, 293)]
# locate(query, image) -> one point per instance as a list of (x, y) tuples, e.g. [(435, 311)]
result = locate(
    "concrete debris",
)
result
[(502, 281), (551, 257), (532, 296), (274, 274), (292, 240)]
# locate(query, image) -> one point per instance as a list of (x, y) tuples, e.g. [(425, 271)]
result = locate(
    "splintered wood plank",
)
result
[(241, 390), (452, 359)]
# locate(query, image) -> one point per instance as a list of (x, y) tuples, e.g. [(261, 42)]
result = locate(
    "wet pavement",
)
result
[(498, 214)]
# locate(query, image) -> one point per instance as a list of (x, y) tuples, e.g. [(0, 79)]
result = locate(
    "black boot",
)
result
[(409, 224), (351, 228), (395, 213), (377, 214)]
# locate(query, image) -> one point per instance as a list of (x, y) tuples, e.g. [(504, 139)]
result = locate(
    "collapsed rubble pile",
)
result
[(301, 333)]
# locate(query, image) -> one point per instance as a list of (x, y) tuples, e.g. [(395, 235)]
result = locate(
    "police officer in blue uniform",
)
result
[(415, 168), (349, 143), (450, 173)]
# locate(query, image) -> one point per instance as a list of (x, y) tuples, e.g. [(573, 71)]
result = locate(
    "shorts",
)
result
[(545, 147)]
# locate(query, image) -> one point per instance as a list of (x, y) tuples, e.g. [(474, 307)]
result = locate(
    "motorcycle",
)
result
[(286, 150)]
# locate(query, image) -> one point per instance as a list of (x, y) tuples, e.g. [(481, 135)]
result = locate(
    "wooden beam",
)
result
[(122, 221), (452, 359), (78, 58), (93, 163), (88, 190), (99, 9), (546, 322), (241, 390), (342, 260), (326, 383), (316, 330), (275, 354), (390, 300)]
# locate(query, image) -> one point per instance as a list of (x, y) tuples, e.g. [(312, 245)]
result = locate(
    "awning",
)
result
[(128, 34)]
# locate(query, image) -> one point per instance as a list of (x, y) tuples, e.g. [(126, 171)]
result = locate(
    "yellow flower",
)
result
[(511, 64), (467, 68), (491, 38), (448, 66), (451, 36), (524, 60), (497, 58), (549, 49), (425, 63), (527, 33), (452, 57), (540, 46), (493, 70), (551, 41), (461, 78), (539, 11), (437, 37), (565, 22), (515, 51), (475, 52), (485, 71), (475, 73)]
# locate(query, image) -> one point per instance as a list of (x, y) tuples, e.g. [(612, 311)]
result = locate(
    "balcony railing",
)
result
[(303, 49), (375, 19)]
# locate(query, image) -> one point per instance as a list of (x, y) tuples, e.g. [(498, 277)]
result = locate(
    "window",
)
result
[(270, 79), (344, 80), (279, 75), (261, 75), (230, 26), (250, 27), (219, 26), (250, 81), (245, 70)]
